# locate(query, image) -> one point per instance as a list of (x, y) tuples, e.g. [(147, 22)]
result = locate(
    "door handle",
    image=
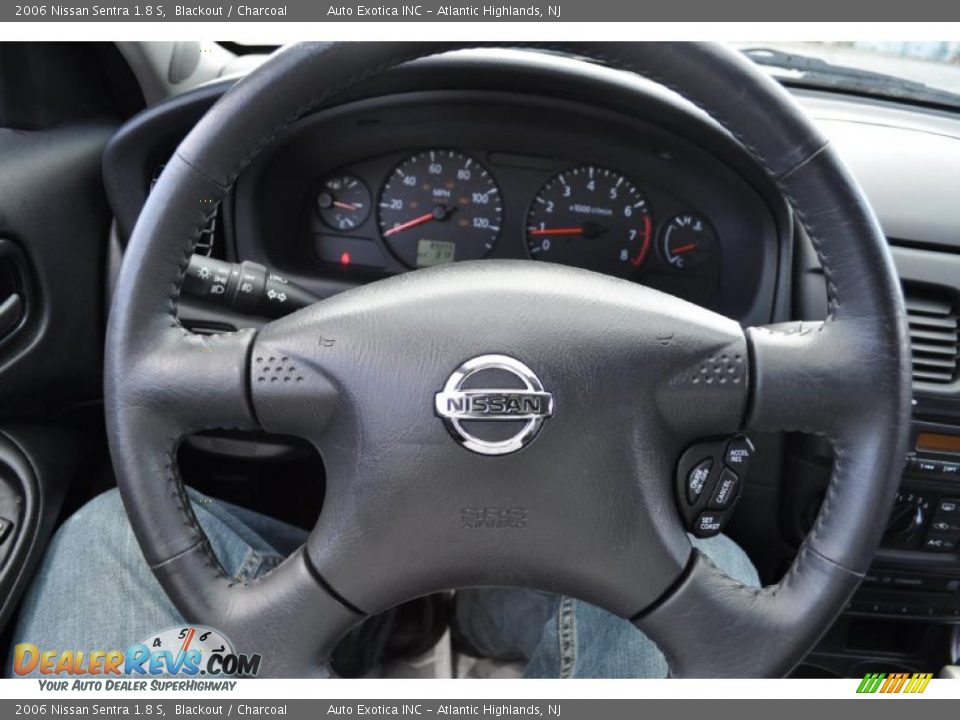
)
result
[(16, 296), (11, 310)]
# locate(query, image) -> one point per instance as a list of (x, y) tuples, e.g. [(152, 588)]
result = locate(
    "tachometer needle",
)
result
[(588, 230), (557, 231), (426, 217)]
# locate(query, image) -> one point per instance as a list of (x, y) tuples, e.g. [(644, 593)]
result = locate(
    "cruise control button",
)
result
[(726, 490), (739, 452), (697, 479), (708, 524)]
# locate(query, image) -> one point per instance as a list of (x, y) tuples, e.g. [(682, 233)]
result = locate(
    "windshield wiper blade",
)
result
[(820, 73)]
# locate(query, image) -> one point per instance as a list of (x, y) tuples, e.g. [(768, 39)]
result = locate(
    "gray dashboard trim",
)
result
[(907, 161)]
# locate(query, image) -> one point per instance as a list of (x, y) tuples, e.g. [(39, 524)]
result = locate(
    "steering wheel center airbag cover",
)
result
[(491, 417), (621, 377)]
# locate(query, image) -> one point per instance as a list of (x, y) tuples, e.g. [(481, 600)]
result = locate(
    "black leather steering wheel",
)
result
[(357, 376)]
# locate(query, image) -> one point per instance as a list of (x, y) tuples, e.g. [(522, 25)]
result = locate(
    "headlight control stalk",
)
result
[(246, 287)]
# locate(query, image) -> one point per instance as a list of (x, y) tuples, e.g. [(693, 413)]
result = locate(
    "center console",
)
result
[(917, 571), (905, 615)]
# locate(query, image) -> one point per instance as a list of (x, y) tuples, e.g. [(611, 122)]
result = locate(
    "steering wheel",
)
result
[(608, 387)]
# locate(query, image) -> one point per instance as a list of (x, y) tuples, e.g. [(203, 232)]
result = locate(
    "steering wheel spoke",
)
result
[(291, 388), (289, 616), (705, 393), (193, 382), (710, 625), (807, 377)]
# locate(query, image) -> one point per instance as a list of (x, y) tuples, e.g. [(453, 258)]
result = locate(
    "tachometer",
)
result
[(592, 218), (439, 206)]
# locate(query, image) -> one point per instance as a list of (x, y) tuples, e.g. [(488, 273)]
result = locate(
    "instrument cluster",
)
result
[(440, 205)]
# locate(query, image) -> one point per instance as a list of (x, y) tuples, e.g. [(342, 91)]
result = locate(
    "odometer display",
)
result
[(592, 218), (439, 205), (435, 252)]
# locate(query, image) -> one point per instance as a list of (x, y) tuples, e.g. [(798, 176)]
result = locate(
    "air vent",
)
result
[(933, 338), (208, 235)]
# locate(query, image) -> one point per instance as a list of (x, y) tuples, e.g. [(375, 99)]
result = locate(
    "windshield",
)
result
[(926, 72), (912, 71)]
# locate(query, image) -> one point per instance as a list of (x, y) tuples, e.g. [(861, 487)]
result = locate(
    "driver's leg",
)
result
[(563, 637), (94, 590)]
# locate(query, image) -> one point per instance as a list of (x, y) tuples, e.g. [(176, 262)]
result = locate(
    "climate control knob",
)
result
[(907, 518)]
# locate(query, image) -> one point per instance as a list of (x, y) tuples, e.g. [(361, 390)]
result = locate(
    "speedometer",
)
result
[(592, 218), (439, 206)]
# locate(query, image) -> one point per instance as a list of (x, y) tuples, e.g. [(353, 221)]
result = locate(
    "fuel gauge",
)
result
[(687, 241), (343, 202)]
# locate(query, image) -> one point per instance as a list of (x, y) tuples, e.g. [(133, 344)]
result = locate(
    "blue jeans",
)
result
[(94, 590)]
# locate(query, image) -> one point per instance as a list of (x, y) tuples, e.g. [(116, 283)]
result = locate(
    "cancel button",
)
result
[(726, 490)]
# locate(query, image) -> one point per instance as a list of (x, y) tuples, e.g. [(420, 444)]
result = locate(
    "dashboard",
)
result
[(407, 182), (442, 205), (457, 159), (394, 184)]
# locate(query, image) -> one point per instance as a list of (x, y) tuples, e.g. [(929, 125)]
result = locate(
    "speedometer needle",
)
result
[(426, 217), (438, 213)]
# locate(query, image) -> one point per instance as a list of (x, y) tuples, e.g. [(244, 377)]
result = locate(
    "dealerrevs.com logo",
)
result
[(176, 652)]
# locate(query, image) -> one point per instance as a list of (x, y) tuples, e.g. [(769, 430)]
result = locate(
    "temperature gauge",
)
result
[(344, 202), (687, 241)]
